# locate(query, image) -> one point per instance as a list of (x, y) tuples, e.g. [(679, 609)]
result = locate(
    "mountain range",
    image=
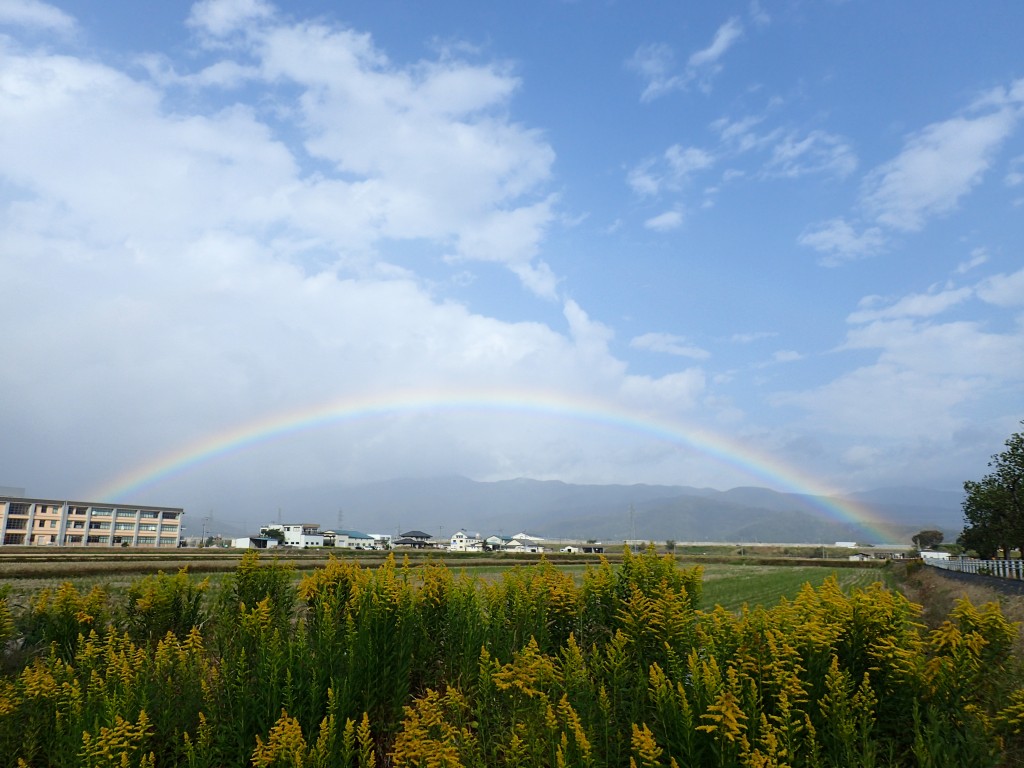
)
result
[(553, 510)]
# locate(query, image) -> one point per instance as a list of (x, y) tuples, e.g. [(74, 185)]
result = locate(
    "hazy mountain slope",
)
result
[(551, 508)]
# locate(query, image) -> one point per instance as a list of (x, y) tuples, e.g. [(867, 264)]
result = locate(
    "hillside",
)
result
[(561, 510)]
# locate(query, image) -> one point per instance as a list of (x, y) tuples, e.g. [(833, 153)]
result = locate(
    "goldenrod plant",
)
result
[(420, 667)]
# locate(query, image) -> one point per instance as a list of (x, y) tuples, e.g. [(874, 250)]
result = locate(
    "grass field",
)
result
[(732, 586)]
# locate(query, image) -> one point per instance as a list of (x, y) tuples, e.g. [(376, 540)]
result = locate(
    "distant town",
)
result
[(306, 535)]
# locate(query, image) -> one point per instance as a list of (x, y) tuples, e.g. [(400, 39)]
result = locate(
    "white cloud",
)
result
[(936, 168), (928, 376), (740, 134), (884, 399), (669, 344), (979, 256), (758, 14), (747, 338), (223, 17), (421, 152), (677, 392), (656, 63), (685, 160), (816, 152), (790, 155), (35, 14), (512, 238), (1015, 175), (725, 37), (669, 172), (961, 349), (914, 305), (838, 240), (665, 222), (206, 267), (1003, 290)]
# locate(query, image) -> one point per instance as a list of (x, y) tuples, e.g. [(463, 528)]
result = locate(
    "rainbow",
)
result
[(351, 408)]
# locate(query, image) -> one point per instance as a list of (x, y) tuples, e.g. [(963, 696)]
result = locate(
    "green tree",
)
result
[(994, 506), (927, 539)]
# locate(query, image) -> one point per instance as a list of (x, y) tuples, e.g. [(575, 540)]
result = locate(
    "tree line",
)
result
[(994, 506)]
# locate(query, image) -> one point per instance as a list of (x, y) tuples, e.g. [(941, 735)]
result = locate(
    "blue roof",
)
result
[(354, 534)]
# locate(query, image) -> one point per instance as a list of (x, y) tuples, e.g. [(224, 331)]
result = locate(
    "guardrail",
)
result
[(1004, 569)]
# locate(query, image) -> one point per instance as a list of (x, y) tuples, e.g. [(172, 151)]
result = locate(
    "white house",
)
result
[(466, 541), (524, 545), (928, 554), (354, 540), (300, 535)]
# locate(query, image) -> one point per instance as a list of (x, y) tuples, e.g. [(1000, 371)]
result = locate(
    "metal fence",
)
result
[(1004, 569)]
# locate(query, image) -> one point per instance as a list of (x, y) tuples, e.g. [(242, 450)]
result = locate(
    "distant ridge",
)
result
[(554, 509)]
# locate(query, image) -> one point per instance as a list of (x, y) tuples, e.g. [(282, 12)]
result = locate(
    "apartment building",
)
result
[(50, 522)]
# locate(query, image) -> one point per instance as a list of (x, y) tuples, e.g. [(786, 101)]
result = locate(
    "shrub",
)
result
[(160, 604)]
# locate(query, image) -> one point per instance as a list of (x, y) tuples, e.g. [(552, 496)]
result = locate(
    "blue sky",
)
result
[(795, 225)]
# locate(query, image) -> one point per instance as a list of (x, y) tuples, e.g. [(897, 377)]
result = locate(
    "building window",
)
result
[(147, 526), (147, 540), (16, 524), (101, 511), (127, 512), (72, 539), (170, 515), (14, 538), (95, 526), (149, 515), (124, 526), (76, 510), (18, 508)]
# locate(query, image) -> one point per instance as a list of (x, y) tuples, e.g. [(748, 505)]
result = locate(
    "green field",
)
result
[(733, 586), (730, 585)]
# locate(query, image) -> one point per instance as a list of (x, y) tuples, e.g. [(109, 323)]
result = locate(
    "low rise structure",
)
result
[(254, 542), (58, 523), (414, 539), (353, 540), (524, 545), (466, 541), (297, 535)]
